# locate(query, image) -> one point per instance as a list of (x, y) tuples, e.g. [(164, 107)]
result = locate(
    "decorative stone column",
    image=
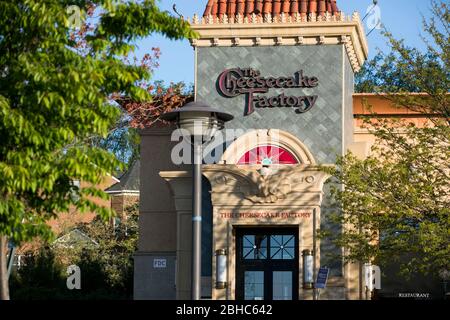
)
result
[(180, 183)]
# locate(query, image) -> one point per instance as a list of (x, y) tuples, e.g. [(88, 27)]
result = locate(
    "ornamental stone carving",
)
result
[(278, 185)]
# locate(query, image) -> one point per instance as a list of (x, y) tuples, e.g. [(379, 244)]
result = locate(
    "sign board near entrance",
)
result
[(322, 277), (265, 215), (159, 263)]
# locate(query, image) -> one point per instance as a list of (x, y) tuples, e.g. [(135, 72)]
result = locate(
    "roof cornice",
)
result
[(285, 30)]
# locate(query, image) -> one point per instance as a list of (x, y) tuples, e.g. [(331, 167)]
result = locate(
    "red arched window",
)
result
[(267, 155)]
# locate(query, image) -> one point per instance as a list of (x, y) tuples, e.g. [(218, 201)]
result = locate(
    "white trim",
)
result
[(195, 72), (114, 178), (123, 192), (343, 102)]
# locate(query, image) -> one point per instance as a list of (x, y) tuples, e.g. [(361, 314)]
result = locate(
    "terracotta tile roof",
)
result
[(218, 8)]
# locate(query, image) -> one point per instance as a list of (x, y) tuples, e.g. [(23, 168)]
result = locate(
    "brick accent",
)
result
[(120, 202)]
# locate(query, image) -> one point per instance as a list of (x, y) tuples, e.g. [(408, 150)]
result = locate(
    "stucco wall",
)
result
[(157, 218)]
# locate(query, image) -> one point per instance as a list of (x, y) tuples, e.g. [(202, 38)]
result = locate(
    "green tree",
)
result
[(42, 276), (106, 268), (407, 69), (123, 138), (114, 255), (397, 201), (380, 71), (54, 96)]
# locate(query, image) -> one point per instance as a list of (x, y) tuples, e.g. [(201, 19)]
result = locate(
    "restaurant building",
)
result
[(285, 70)]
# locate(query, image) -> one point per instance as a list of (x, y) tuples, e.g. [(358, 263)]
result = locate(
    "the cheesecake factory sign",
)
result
[(234, 82)]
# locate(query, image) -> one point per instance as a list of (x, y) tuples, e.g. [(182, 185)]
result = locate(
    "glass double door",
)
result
[(267, 264)]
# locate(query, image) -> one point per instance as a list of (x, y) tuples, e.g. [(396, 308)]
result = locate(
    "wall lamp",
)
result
[(308, 269), (221, 269)]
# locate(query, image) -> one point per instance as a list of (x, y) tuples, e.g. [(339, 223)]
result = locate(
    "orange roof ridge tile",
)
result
[(219, 8)]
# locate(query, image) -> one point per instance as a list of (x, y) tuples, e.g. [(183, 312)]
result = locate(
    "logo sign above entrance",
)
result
[(234, 82)]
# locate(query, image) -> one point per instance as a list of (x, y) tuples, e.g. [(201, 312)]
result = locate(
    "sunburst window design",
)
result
[(268, 155)]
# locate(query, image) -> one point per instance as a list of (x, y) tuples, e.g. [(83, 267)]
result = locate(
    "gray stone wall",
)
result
[(152, 283), (320, 128), (327, 250)]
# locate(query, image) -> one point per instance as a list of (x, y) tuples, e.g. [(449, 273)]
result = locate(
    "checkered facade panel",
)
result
[(321, 129)]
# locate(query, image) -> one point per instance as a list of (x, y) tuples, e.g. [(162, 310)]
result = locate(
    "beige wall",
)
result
[(366, 103), (157, 211), (157, 219)]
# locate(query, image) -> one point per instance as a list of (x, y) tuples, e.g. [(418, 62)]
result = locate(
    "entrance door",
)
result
[(267, 263)]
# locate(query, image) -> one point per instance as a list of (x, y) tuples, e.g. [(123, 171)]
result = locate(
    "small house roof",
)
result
[(129, 181)]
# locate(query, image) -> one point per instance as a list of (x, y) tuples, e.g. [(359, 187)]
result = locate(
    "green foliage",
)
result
[(397, 199), (396, 203), (106, 269), (115, 250), (42, 277), (382, 74), (123, 139), (405, 69), (54, 98)]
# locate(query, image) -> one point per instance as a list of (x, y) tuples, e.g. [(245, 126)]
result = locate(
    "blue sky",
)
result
[(402, 17)]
